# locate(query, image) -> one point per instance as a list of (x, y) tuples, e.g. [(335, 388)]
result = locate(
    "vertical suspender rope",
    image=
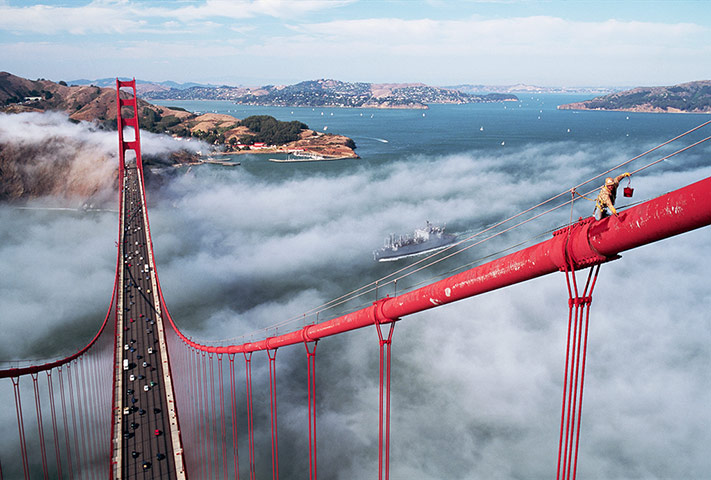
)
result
[(250, 412), (220, 374), (206, 416), (273, 404), (233, 405), (311, 360), (384, 401), (99, 388), (574, 376), (85, 425), (74, 421), (20, 426), (94, 413), (40, 426), (198, 412), (214, 415), (65, 424), (199, 417), (587, 301)]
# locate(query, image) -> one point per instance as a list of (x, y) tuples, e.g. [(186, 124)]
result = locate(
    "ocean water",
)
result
[(477, 384)]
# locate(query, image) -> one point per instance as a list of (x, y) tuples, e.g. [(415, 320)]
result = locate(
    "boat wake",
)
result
[(381, 140)]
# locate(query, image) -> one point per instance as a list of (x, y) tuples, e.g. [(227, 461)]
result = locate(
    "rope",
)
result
[(273, 406), (40, 426), (20, 426), (221, 387), (233, 404), (250, 413)]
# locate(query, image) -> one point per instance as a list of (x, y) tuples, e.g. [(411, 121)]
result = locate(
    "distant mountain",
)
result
[(332, 93), (692, 97), (523, 88), (111, 83)]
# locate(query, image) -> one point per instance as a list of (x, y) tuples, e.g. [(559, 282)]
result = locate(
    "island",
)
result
[(691, 97), (330, 93)]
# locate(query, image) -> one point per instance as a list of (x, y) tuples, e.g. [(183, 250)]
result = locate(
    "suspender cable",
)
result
[(20, 426), (250, 413), (84, 424), (587, 302), (65, 423), (574, 376), (233, 405), (311, 360), (273, 404), (55, 435), (206, 416), (214, 415), (74, 420), (40, 427), (220, 375), (384, 401)]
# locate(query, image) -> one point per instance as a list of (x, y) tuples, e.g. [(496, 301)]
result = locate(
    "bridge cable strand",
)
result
[(311, 379), (74, 418), (233, 408), (20, 426), (55, 436), (40, 427), (385, 344), (271, 353), (223, 430), (206, 416), (250, 413), (574, 375), (214, 414), (65, 424)]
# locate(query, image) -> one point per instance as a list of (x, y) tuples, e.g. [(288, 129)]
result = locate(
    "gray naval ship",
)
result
[(424, 240)]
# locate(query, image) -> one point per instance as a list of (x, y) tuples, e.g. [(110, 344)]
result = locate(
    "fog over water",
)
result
[(477, 384)]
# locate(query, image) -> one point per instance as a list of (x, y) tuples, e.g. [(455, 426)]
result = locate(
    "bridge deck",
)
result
[(145, 411)]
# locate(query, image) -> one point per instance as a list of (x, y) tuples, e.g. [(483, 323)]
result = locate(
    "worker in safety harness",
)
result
[(607, 195), (606, 198)]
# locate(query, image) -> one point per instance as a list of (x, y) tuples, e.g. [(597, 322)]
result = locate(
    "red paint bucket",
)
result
[(628, 191)]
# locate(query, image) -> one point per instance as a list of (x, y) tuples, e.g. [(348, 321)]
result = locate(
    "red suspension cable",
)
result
[(57, 454), (220, 375), (311, 360), (574, 376), (273, 405), (206, 416), (20, 426), (40, 426), (65, 424), (214, 415), (233, 405), (250, 414), (384, 401), (74, 420)]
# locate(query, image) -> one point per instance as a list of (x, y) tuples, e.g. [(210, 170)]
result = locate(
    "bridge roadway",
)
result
[(146, 435)]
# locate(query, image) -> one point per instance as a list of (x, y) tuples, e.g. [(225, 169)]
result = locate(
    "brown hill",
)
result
[(691, 97), (92, 103)]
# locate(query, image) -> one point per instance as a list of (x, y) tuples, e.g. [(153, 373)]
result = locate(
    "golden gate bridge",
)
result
[(125, 404)]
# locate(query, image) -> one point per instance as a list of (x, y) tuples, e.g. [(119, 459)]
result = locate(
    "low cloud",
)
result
[(477, 384)]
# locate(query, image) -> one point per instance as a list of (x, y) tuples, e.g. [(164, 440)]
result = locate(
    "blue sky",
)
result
[(438, 42)]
